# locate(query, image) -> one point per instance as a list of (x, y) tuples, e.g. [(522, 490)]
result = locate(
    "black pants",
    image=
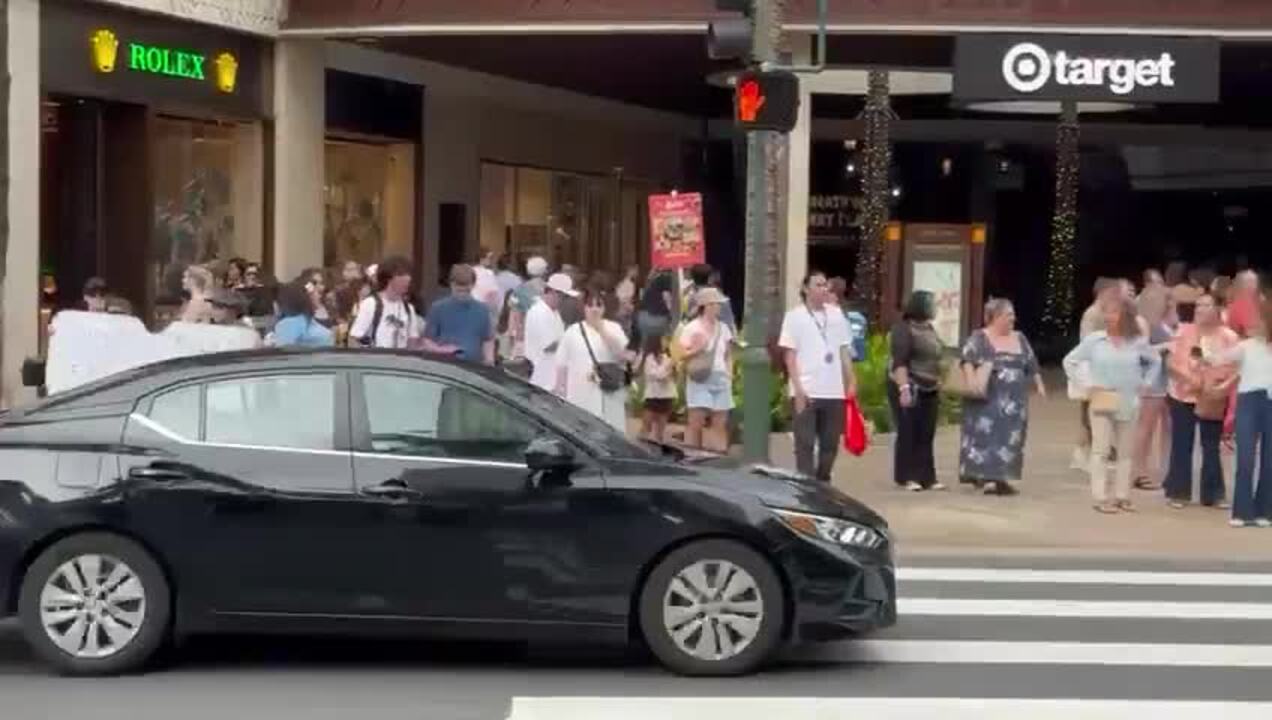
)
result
[(914, 459), (1183, 429), (819, 428)]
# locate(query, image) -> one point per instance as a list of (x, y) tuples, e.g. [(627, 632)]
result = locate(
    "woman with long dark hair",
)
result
[(914, 393), (296, 325), (590, 357)]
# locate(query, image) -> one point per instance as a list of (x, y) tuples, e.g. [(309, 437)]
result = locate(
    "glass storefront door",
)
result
[(592, 221)]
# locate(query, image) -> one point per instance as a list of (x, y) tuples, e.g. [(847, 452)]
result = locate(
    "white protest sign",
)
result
[(85, 347)]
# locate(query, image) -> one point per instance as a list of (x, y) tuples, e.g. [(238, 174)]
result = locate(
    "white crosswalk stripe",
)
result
[(583, 708), (1040, 621)]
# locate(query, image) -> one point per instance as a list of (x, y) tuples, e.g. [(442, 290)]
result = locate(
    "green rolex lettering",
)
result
[(196, 66), (136, 56), (154, 60)]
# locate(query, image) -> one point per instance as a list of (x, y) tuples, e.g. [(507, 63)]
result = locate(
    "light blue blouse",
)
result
[(1125, 369)]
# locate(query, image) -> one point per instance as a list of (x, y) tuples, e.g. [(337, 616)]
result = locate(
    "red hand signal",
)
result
[(749, 101)]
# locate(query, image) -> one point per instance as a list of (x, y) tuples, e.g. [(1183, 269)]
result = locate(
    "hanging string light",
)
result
[(868, 282), (1058, 297)]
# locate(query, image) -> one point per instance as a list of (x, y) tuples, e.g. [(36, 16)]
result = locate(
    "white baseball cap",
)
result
[(536, 266), (562, 283)]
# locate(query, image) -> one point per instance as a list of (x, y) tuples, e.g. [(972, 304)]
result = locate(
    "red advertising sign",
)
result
[(675, 227)]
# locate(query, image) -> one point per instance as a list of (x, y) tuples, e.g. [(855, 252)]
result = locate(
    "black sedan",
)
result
[(374, 492)]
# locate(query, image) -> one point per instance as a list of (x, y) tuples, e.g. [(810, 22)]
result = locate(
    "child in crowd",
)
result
[(658, 371)]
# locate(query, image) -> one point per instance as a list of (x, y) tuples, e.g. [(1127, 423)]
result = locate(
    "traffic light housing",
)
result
[(766, 101), (732, 38)]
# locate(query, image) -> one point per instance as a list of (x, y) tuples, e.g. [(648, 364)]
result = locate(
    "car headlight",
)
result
[(834, 530)]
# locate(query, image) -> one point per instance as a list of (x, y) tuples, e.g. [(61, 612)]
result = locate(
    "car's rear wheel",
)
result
[(714, 607), (95, 604)]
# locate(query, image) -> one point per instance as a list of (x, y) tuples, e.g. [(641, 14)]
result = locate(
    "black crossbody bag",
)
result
[(610, 376)]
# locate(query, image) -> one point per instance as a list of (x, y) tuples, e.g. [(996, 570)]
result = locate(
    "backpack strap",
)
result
[(369, 340)]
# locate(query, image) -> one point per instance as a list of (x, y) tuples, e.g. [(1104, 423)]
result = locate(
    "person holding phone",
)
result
[(460, 325), (1198, 400)]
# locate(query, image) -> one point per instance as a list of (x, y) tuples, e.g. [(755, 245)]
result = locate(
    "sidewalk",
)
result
[(1051, 516)]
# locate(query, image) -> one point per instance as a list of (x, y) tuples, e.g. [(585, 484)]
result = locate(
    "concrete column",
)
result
[(795, 260), (21, 301), (247, 191), (452, 172), (299, 155)]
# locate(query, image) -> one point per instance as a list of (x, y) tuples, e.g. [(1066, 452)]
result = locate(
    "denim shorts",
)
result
[(716, 394)]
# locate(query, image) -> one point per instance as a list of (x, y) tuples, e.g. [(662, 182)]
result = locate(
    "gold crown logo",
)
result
[(105, 48), (226, 72)]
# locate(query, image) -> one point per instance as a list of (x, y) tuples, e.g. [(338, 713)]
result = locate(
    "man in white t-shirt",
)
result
[(386, 318), (544, 329), (817, 348), (486, 288)]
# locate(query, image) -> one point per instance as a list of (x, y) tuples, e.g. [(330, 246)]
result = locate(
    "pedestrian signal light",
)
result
[(750, 100), (766, 101)]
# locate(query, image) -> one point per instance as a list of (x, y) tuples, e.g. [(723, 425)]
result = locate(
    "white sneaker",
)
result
[(1236, 523), (1263, 522), (1081, 459)]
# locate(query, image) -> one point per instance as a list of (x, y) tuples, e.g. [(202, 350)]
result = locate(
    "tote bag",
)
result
[(855, 438)]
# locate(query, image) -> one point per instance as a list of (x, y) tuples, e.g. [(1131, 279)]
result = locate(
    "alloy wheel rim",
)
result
[(713, 610), (92, 606)]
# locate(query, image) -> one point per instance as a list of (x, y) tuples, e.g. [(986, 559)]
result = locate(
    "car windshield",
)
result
[(577, 420)]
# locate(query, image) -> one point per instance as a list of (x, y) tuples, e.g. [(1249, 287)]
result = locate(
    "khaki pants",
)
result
[(1111, 434)]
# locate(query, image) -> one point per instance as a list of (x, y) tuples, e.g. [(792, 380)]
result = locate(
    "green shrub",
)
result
[(872, 378), (872, 384)]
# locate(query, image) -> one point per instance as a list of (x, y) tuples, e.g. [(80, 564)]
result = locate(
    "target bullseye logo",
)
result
[(1027, 67)]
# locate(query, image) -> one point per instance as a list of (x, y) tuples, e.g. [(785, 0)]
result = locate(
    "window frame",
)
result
[(361, 418), (341, 433)]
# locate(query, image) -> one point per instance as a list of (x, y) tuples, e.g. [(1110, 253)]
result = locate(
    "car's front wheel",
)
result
[(714, 607), (95, 604)]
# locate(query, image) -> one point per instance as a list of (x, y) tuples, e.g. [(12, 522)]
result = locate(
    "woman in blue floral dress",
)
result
[(995, 428)]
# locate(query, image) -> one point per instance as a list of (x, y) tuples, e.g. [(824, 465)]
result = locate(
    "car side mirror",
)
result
[(550, 455)]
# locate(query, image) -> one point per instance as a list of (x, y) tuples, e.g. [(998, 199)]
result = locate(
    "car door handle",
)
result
[(157, 474), (392, 490)]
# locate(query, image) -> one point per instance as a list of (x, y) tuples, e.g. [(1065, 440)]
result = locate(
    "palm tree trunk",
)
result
[(1059, 298), (868, 282)]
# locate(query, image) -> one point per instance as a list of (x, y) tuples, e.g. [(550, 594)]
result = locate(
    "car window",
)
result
[(286, 411), (580, 423), (178, 411), (430, 418)]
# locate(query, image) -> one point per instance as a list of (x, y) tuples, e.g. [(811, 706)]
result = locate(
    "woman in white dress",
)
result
[(586, 345)]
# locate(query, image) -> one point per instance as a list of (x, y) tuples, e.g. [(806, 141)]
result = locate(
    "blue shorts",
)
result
[(716, 394)]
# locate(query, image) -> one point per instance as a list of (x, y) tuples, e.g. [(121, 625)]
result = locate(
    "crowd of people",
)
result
[(1183, 356), (599, 342)]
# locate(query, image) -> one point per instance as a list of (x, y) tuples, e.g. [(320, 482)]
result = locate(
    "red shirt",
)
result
[(1243, 314)]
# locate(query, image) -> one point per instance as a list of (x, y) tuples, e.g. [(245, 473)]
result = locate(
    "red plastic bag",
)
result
[(855, 440)]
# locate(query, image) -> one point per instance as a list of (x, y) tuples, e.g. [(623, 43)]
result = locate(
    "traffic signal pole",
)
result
[(757, 376)]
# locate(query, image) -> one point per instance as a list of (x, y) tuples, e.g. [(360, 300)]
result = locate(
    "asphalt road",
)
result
[(981, 638)]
